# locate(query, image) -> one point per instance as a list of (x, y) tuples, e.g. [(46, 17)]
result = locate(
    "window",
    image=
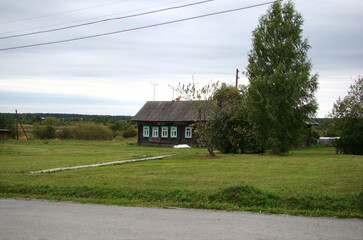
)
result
[(173, 132), (164, 132), (188, 132), (155, 132), (146, 131)]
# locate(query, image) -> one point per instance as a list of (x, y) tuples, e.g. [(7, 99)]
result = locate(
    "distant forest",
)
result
[(30, 118)]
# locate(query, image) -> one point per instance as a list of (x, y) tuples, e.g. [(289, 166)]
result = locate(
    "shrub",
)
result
[(91, 131), (65, 133), (47, 132), (130, 131)]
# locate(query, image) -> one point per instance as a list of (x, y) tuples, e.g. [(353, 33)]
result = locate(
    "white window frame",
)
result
[(164, 132), (172, 131), (155, 132), (188, 132), (146, 129)]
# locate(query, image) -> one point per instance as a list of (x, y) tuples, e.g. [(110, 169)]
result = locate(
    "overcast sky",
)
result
[(113, 74)]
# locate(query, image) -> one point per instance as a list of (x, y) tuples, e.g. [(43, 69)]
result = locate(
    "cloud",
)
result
[(120, 68), (62, 103)]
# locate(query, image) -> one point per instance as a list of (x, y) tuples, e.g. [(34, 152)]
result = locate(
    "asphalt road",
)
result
[(39, 219)]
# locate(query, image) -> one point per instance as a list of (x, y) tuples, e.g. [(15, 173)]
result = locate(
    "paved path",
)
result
[(100, 164), (40, 219)]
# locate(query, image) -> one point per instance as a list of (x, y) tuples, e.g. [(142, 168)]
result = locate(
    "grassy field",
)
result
[(309, 181)]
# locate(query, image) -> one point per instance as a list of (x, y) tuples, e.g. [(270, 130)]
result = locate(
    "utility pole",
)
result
[(155, 84), (17, 124), (172, 87), (237, 77)]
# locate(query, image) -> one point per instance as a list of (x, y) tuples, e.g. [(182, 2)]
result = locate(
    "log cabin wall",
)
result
[(170, 140)]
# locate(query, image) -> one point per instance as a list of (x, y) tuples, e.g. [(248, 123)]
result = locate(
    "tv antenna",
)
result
[(193, 81), (172, 87), (155, 84)]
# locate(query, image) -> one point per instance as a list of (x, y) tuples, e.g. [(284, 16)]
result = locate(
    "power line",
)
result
[(138, 28), (106, 20), (87, 19), (60, 13)]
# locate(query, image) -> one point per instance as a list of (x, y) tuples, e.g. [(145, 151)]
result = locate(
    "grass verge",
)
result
[(312, 182), (234, 198)]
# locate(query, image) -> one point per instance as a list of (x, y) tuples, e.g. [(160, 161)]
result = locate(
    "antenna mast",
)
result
[(193, 81), (155, 84), (172, 87)]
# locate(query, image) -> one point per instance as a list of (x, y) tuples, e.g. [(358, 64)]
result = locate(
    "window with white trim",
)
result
[(188, 132), (146, 131), (164, 132), (173, 132), (155, 132)]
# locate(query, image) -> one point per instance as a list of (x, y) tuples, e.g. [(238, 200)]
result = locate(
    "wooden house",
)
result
[(166, 123), (169, 123)]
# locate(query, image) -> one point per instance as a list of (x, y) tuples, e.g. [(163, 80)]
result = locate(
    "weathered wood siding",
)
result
[(169, 141)]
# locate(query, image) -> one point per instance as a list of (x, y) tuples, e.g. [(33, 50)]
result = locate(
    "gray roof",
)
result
[(167, 111), (312, 122)]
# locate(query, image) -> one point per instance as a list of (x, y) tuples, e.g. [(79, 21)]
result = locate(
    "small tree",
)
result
[(129, 131), (281, 91), (348, 119), (203, 104)]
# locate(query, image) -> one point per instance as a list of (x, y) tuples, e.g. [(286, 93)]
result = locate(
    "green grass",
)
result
[(309, 181)]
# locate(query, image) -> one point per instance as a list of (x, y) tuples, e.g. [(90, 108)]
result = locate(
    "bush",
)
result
[(130, 131), (91, 131), (47, 132), (65, 133)]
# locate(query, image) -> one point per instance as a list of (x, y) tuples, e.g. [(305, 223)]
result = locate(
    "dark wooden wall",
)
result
[(159, 141)]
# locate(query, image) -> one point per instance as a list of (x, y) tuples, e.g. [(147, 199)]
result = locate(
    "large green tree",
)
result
[(348, 119), (281, 91)]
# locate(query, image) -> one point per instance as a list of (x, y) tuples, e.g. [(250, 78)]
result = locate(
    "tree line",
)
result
[(72, 126)]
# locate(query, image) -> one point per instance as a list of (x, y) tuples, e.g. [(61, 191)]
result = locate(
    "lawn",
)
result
[(188, 179)]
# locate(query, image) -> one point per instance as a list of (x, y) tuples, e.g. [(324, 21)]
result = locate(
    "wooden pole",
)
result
[(17, 125), (21, 125), (237, 77)]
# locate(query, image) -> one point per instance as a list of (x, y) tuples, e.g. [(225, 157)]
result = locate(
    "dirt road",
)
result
[(38, 219)]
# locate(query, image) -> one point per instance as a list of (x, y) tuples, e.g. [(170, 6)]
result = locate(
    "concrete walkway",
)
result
[(40, 219), (100, 164)]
